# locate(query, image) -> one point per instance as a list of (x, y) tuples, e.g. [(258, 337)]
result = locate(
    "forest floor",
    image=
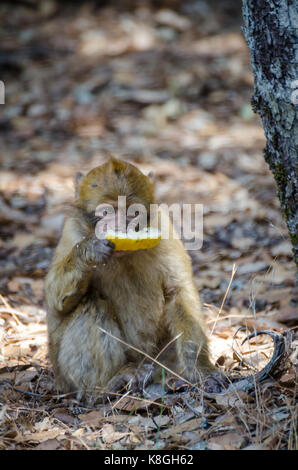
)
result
[(167, 88)]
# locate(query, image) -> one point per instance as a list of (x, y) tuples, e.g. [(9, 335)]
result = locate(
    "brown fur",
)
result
[(145, 298)]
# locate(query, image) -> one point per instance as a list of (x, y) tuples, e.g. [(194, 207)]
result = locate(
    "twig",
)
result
[(146, 355), (225, 296), (26, 392), (9, 309), (167, 345), (243, 361), (280, 354), (191, 408)]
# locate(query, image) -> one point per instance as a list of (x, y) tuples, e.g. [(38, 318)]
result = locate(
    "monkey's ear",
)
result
[(78, 178)]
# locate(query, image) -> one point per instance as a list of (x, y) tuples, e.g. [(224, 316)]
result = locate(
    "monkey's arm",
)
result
[(71, 271)]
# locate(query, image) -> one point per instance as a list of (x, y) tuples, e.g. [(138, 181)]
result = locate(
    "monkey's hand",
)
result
[(95, 251)]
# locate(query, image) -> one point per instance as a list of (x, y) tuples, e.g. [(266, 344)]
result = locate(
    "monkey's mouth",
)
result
[(120, 254)]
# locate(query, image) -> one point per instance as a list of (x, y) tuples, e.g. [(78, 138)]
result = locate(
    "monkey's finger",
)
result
[(104, 246), (109, 244)]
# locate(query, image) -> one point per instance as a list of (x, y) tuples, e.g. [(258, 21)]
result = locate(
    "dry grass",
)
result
[(33, 415)]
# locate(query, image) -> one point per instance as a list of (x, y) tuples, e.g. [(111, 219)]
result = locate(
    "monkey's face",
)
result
[(113, 195)]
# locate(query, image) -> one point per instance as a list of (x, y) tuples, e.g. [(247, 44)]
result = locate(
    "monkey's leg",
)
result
[(192, 344), (87, 357)]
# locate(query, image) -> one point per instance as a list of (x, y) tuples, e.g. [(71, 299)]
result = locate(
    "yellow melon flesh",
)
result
[(132, 241)]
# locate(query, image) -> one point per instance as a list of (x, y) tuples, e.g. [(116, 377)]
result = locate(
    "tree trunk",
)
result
[(270, 30)]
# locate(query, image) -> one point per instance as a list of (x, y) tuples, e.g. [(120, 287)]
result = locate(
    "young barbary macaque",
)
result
[(94, 294)]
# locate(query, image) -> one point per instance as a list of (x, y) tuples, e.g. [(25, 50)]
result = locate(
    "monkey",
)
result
[(104, 306)]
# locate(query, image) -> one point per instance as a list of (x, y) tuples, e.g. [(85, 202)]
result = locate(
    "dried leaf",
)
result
[(282, 249), (51, 444), (229, 441), (149, 423), (41, 436), (234, 400), (289, 379), (62, 415), (93, 419), (109, 435), (25, 377), (262, 324), (288, 315), (256, 447), (190, 425), (131, 404), (248, 268)]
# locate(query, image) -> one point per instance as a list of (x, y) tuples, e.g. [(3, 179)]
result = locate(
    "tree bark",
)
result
[(271, 32)]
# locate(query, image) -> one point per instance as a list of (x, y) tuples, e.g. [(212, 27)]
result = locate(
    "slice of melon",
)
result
[(132, 241)]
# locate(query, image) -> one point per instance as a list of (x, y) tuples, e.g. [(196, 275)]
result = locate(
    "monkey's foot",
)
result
[(131, 379)]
